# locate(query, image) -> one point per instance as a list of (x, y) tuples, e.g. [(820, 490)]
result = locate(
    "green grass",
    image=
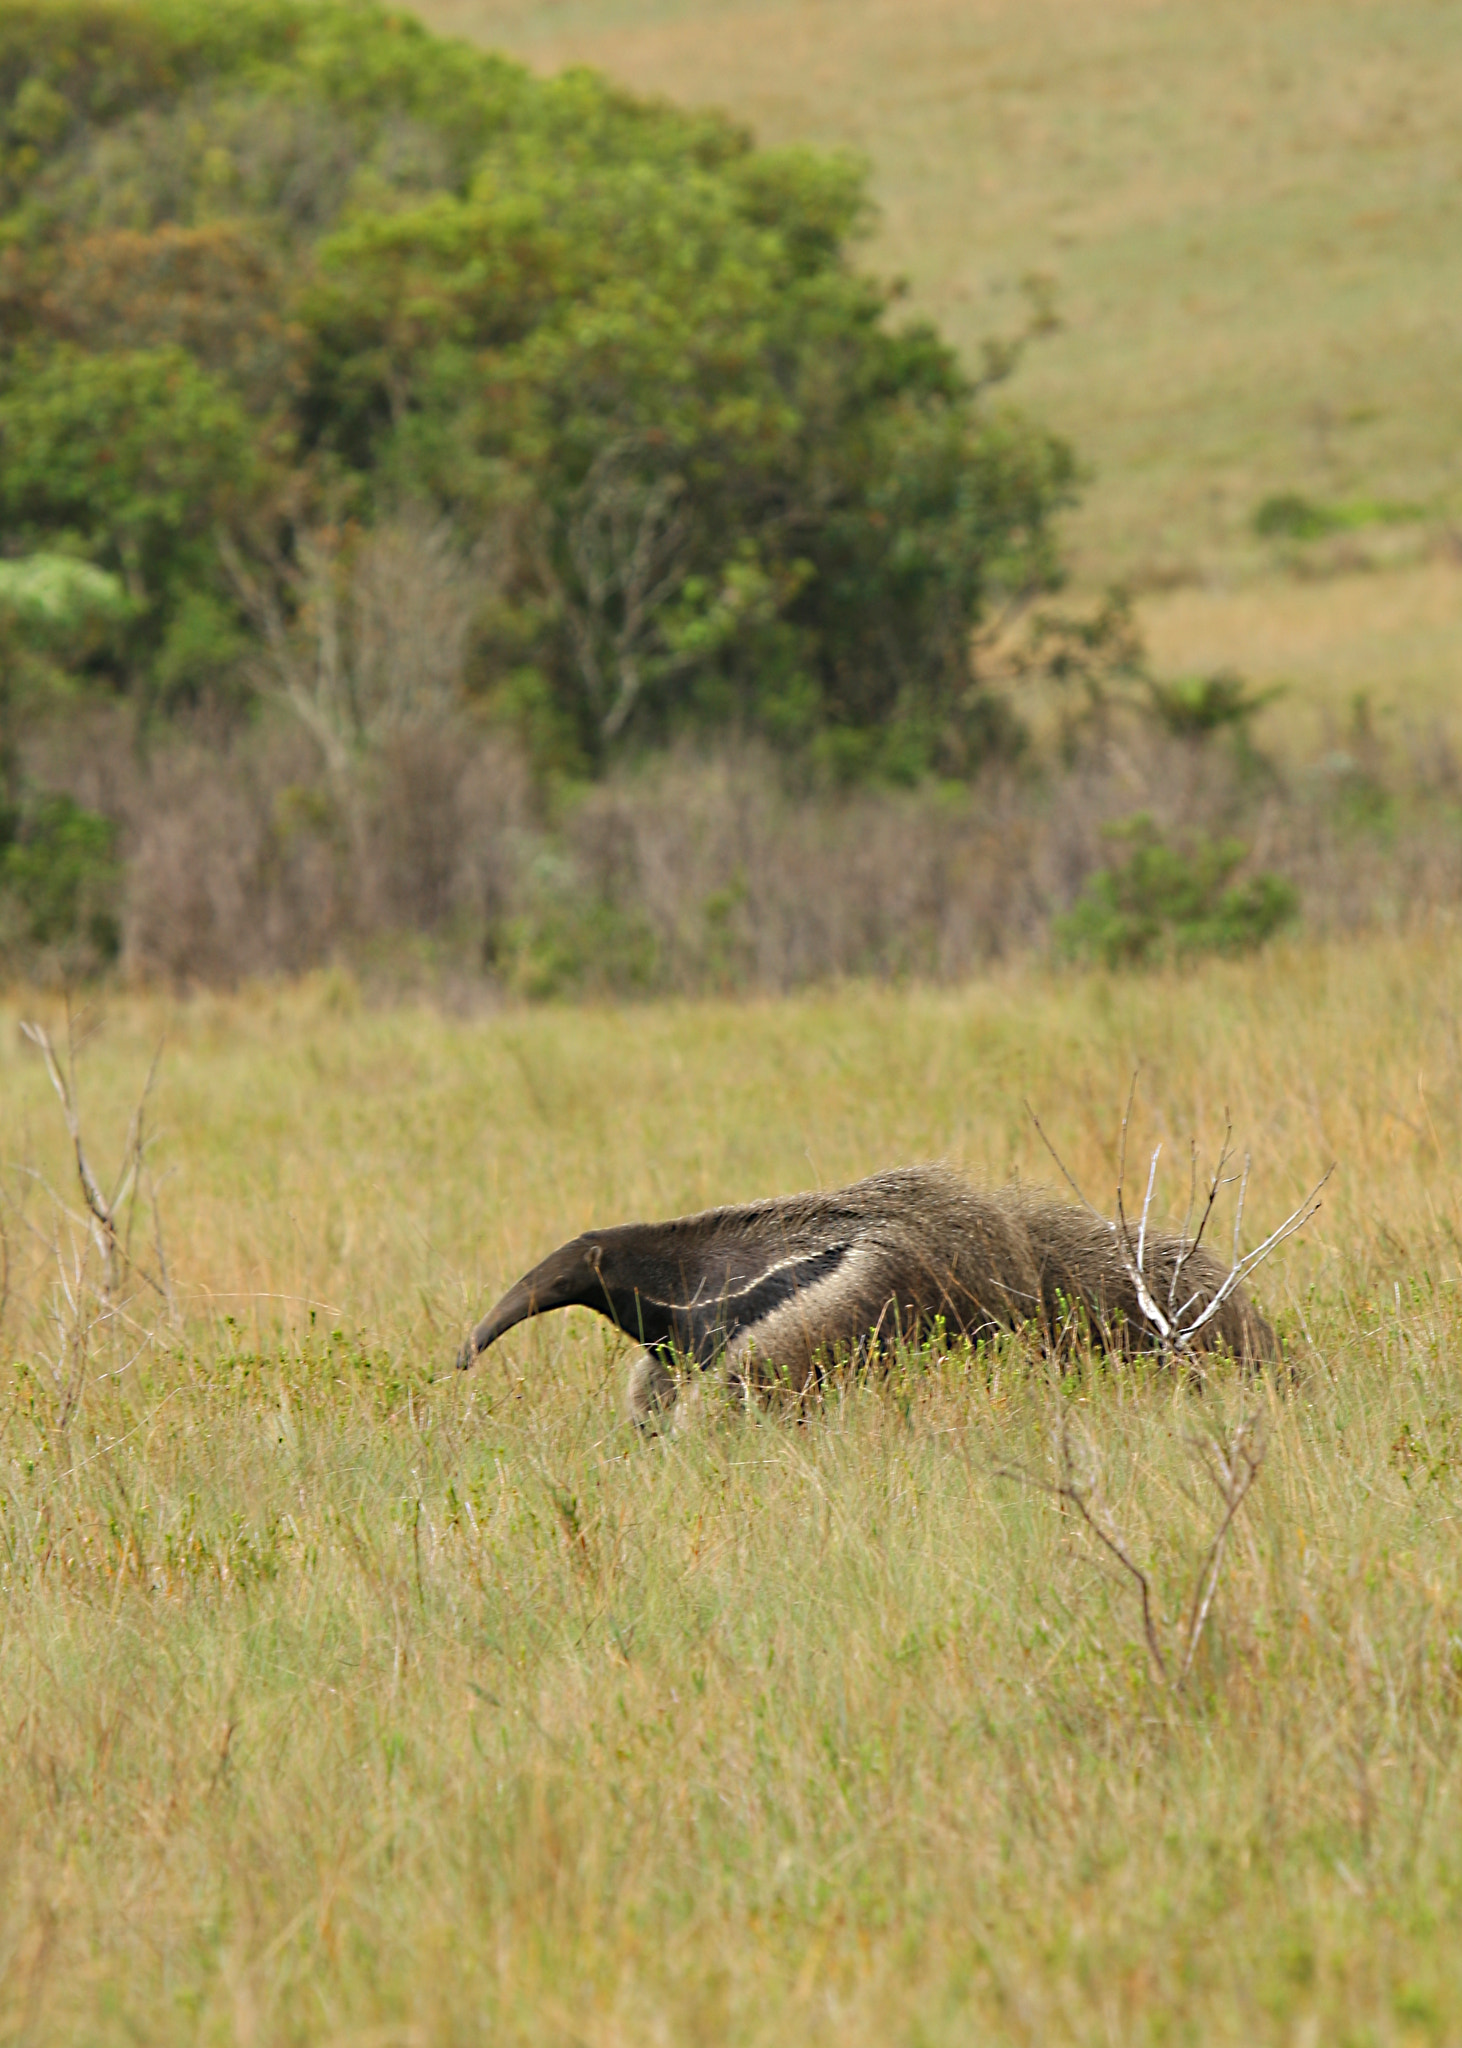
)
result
[(351, 1699)]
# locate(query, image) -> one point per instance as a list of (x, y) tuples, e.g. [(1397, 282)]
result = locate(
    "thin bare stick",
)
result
[(1132, 1260), (1216, 1181), (1188, 1212), (1063, 1170), (103, 1212), (1067, 1488), (1112, 1540), (90, 1187), (1146, 1211), (1297, 1220), (1177, 1328), (1239, 1205), (129, 1181), (1238, 1472), (1233, 1473)]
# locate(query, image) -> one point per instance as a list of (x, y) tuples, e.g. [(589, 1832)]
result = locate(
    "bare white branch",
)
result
[(1177, 1327)]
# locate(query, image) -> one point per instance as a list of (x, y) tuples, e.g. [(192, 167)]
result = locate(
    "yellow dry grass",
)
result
[(1246, 213), (1394, 638), (349, 1699)]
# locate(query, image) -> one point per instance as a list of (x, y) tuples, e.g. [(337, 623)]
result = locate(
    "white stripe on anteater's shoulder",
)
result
[(786, 1287)]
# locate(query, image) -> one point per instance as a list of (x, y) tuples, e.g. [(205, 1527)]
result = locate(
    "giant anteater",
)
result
[(773, 1292)]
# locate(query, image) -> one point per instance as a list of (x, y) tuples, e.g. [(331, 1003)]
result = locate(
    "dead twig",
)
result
[(1179, 1324), (83, 1302), (1233, 1469), (102, 1212), (1233, 1473), (1070, 1489)]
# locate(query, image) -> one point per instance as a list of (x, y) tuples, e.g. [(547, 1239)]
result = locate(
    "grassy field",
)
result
[(1250, 218), (349, 1699)]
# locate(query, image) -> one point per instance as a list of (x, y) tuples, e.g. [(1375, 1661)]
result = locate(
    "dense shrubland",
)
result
[(442, 861), (443, 505)]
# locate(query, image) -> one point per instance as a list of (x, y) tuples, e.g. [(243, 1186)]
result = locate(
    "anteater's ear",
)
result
[(567, 1278)]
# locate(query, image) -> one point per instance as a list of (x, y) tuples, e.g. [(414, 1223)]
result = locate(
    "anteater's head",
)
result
[(623, 1273)]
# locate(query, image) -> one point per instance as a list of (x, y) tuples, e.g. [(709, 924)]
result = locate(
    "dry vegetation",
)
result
[(434, 861), (1240, 210), (349, 1699)]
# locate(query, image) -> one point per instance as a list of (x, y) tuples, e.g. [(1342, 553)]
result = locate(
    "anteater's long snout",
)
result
[(567, 1278), (515, 1307)]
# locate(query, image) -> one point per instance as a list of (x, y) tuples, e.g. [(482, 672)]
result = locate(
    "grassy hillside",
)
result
[(349, 1699), (1251, 220)]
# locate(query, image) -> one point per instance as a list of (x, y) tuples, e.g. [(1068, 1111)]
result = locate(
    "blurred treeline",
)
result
[(406, 462)]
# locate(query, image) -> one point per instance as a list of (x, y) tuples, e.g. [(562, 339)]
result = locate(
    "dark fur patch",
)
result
[(702, 1328)]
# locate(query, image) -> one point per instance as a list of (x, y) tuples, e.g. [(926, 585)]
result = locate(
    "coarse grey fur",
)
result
[(773, 1293)]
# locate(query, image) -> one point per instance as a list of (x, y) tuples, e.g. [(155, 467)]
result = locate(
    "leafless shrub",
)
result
[(364, 632), (95, 1252), (246, 854), (1176, 1313), (1232, 1463), (235, 867), (446, 819), (243, 858)]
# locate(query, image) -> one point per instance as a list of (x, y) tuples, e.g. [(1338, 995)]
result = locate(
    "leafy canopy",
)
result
[(269, 265)]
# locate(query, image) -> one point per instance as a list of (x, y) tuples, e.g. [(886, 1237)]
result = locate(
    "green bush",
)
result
[(132, 460), (1194, 707), (572, 945), (571, 940), (1164, 901), (59, 884), (55, 598), (1290, 516)]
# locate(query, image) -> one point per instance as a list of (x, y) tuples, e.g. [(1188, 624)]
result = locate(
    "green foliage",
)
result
[(743, 501), (1289, 516), (59, 880), (1197, 706), (1165, 901), (58, 598), (570, 944), (267, 261), (130, 458)]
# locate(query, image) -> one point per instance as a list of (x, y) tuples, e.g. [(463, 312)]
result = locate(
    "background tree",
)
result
[(275, 266)]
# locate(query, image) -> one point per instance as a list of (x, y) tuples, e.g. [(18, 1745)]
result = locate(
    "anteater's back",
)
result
[(922, 1243)]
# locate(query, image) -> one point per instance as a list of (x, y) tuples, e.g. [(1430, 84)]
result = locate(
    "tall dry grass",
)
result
[(350, 1699)]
